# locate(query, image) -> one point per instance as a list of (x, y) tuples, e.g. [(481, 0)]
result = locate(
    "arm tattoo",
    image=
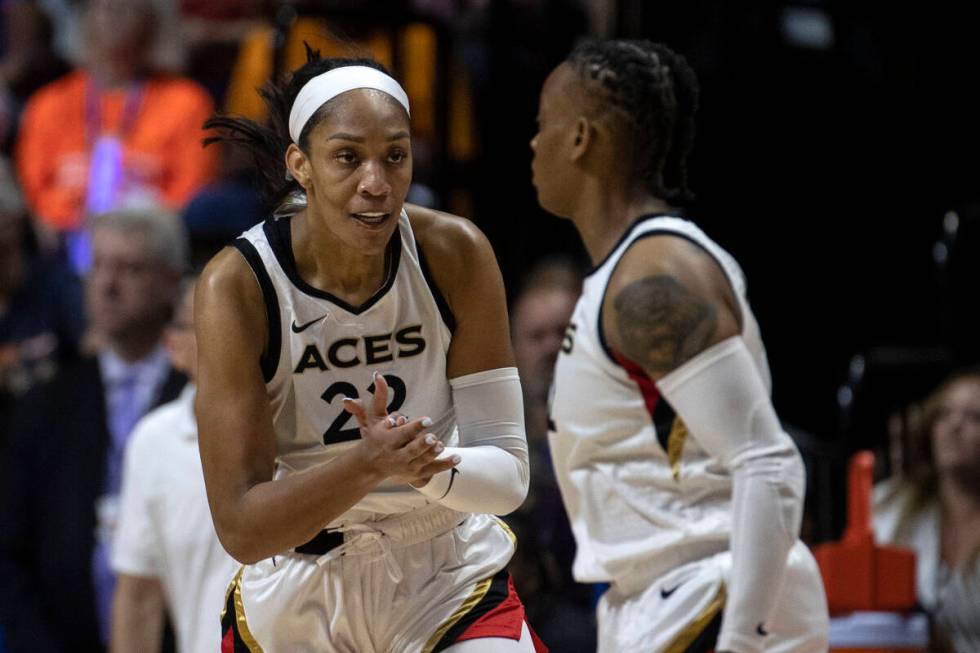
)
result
[(661, 323)]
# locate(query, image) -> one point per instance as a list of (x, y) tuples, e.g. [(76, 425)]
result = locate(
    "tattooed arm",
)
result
[(667, 301)]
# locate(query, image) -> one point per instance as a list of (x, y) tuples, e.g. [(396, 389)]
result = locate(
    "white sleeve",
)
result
[(721, 397), (492, 475), (134, 546)]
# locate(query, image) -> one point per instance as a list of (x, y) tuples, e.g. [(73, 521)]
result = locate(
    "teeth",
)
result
[(370, 215)]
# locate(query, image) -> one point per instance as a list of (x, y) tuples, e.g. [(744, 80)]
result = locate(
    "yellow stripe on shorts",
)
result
[(690, 633), (243, 630), (475, 597)]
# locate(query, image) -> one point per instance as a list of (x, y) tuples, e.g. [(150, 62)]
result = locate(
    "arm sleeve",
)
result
[(721, 397), (492, 475), (134, 550)]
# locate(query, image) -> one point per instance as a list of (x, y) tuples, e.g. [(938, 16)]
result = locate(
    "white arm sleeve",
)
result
[(721, 397), (492, 475)]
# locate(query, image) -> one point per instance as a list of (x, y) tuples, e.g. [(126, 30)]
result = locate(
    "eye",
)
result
[(346, 157), (397, 156)]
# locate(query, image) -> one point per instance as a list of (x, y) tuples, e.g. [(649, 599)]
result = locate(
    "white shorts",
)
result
[(415, 582), (680, 612)]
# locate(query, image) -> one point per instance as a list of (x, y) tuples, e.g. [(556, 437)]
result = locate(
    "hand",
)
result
[(393, 446)]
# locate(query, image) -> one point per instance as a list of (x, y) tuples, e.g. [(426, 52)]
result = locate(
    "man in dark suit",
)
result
[(67, 438)]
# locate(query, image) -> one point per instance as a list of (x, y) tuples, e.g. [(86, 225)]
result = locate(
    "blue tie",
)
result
[(124, 412)]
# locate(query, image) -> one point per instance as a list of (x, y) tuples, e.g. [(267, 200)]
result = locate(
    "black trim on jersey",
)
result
[(676, 213), (447, 313), (270, 357), (612, 273), (663, 422), (496, 594), (278, 231)]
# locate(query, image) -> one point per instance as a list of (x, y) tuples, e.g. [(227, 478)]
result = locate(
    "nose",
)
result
[(374, 181)]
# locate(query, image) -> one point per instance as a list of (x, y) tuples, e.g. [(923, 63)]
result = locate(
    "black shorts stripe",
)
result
[(707, 639), (229, 622), (270, 357), (499, 589)]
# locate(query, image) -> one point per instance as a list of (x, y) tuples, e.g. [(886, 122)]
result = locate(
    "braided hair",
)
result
[(267, 143), (657, 91)]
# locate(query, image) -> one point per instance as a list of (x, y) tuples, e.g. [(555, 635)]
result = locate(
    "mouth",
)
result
[(371, 219)]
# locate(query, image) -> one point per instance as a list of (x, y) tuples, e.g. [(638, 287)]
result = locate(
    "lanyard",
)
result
[(93, 110)]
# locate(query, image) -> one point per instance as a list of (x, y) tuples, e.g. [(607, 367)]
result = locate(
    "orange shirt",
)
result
[(162, 153)]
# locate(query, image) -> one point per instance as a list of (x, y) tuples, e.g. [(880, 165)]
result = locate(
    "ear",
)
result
[(298, 165), (583, 136)]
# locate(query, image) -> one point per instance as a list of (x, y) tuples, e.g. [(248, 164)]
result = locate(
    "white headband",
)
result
[(323, 88)]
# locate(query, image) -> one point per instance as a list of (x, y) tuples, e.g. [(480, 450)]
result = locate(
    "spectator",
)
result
[(166, 552), (67, 438), (559, 608), (934, 509), (41, 317), (114, 133)]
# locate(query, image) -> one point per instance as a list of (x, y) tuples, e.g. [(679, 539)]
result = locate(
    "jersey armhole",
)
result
[(269, 361), (447, 314), (658, 232)]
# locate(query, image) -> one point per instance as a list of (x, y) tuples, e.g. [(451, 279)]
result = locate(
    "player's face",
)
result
[(360, 168), (956, 433), (556, 122), (128, 290)]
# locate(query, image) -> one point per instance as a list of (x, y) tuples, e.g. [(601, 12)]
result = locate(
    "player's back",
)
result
[(639, 489)]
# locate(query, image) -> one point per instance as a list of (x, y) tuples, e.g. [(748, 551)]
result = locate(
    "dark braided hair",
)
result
[(658, 92), (267, 143)]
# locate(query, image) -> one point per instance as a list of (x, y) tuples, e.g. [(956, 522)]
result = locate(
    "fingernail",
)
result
[(455, 460), (392, 422), (347, 399), (402, 420), (438, 448), (376, 375), (426, 421), (430, 439)]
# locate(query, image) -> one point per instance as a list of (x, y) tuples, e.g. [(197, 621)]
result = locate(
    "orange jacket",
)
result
[(162, 150)]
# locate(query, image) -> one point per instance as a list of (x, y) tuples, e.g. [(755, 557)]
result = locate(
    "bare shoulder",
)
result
[(455, 248), (667, 301), (444, 233), (228, 294)]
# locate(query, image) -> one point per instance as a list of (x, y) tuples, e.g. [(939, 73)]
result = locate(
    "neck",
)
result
[(603, 217), (326, 263), (135, 348), (110, 72), (961, 502)]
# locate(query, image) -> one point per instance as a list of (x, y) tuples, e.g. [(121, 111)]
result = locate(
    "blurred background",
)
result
[(836, 158)]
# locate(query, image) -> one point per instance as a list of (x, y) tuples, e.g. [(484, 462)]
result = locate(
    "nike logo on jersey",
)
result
[(452, 478), (761, 630), (299, 329), (665, 593)]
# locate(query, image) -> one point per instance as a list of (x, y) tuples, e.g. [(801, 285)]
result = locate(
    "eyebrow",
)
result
[(344, 136)]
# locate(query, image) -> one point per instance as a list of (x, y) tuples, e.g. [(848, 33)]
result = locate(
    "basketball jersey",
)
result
[(640, 491), (321, 349)]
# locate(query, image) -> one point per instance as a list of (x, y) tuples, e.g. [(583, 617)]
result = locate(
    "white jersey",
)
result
[(321, 349), (640, 491)]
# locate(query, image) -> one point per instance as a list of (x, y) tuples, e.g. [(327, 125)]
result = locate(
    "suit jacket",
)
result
[(54, 473)]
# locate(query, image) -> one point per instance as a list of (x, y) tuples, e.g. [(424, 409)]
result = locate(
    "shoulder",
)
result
[(667, 300), (181, 89), (228, 275), (153, 432), (449, 237), (53, 96)]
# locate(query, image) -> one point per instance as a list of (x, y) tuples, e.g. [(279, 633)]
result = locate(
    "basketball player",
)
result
[(684, 492), (359, 530)]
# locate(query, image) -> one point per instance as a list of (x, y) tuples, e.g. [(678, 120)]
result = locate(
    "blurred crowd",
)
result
[(108, 201)]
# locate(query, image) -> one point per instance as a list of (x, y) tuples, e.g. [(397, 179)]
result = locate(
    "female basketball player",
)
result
[(359, 529), (683, 490)]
